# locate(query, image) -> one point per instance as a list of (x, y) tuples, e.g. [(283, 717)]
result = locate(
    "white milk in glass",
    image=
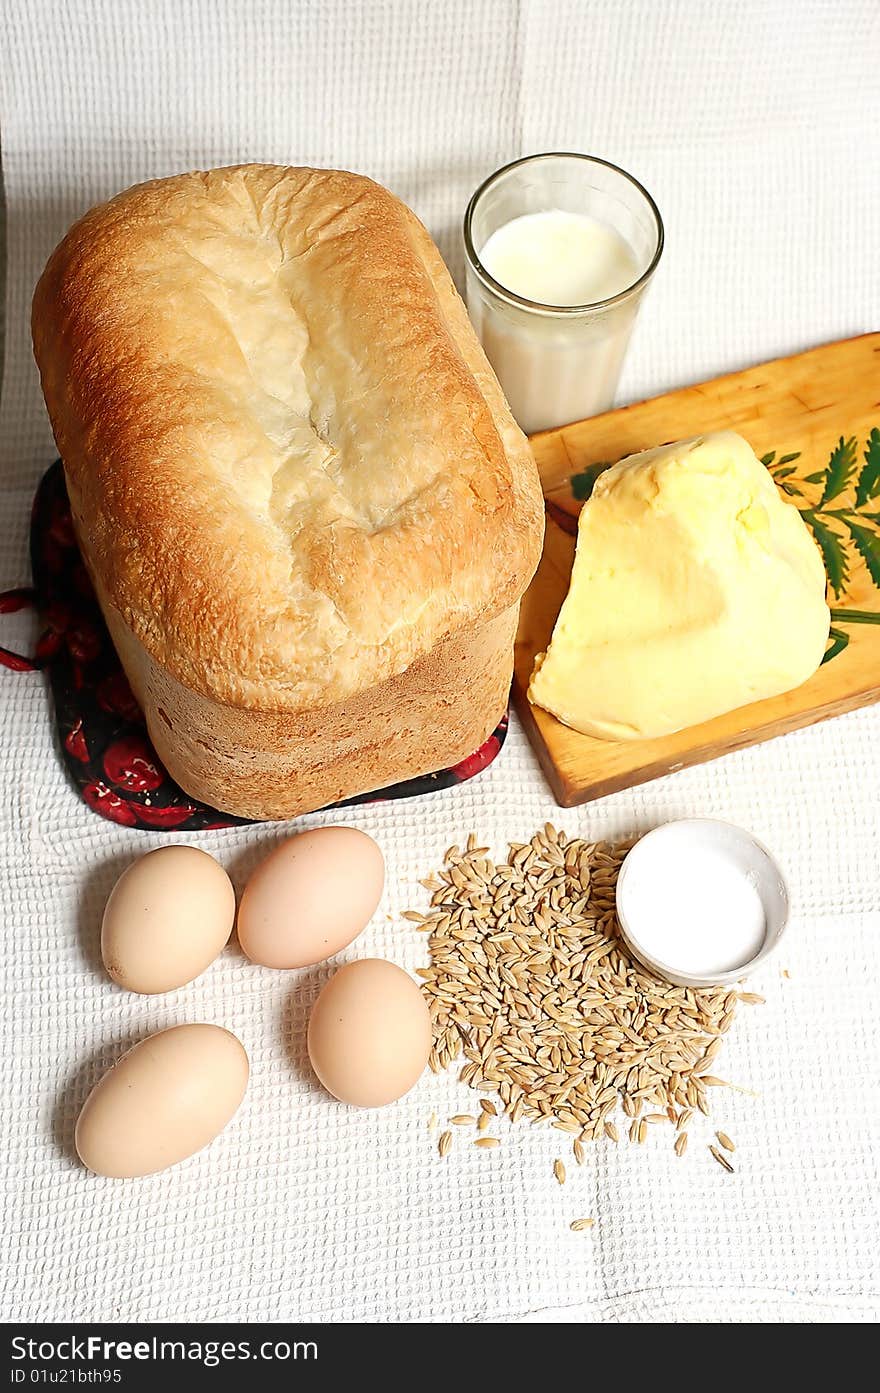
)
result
[(555, 368)]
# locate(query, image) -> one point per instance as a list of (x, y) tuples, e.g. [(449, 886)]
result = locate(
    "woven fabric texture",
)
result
[(754, 126)]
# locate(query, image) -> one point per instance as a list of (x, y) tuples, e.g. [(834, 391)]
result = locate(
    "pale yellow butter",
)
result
[(695, 589)]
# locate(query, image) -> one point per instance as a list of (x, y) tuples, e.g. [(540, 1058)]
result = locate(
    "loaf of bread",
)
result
[(306, 509)]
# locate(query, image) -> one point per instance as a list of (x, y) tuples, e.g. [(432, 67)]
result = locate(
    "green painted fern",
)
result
[(861, 529), (840, 469), (868, 486), (833, 550)]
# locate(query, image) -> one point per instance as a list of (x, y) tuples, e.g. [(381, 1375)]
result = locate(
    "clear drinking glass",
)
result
[(558, 364)]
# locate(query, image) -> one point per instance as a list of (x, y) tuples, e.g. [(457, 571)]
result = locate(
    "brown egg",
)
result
[(369, 1033), (165, 1099), (311, 897), (168, 917)]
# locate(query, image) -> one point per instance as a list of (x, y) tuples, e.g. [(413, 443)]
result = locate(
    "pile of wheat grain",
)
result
[(530, 980)]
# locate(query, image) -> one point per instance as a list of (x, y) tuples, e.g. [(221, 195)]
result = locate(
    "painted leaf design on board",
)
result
[(867, 544), (582, 484), (841, 467), (837, 641), (833, 551), (862, 528), (868, 486)]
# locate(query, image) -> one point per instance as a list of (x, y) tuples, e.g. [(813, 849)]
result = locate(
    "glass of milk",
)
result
[(560, 249)]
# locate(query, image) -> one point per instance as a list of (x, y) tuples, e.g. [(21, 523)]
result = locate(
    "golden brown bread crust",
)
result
[(291, 469), (307, 511), (277, 764)]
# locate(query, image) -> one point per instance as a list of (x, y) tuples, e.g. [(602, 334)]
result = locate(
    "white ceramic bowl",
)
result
[(694, 837)]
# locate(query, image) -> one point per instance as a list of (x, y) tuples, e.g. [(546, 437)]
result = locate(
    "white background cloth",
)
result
[(755, 126)]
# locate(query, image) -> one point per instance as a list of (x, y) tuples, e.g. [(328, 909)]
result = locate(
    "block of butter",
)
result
[(695, 589)]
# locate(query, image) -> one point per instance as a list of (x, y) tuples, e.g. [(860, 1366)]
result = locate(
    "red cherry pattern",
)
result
[(173, 815), (131, 763), (104, 801), (75, 742), (479, 760)]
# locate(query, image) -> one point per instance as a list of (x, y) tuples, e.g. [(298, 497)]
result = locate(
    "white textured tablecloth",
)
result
[(755, 126)]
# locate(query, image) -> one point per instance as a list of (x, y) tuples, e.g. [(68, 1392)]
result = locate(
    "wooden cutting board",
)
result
[(814, 419)]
